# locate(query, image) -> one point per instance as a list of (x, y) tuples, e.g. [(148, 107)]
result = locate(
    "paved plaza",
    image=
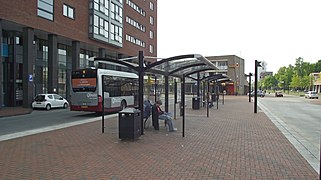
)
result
[(233, 143)]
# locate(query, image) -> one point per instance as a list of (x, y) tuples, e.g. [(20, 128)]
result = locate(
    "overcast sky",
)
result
[(274, 31)]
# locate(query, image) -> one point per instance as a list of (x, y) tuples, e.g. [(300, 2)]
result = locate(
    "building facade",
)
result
[(233, 67), (316, 82), (42, 41)]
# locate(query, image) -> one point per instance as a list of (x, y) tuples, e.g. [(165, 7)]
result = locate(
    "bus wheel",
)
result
[(123, 104)]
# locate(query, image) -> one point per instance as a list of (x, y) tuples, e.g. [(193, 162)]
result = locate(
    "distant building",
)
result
[(264, 74), (316, 82), (232, 66), (42, 41)]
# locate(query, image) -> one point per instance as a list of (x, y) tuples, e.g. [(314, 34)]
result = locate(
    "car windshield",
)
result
[(312, 92), (39, 97)]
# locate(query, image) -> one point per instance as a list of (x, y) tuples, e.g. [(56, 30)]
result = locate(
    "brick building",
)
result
[(42, 41), (233, 66)]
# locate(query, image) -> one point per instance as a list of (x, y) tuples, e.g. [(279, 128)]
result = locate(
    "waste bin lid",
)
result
[(130, 110)]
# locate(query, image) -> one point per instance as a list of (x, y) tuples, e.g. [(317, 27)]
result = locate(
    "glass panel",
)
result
[(71, 13), (45, 6), (65, 10), (96, 6), (44, 14), (96, 30), (96, 20)]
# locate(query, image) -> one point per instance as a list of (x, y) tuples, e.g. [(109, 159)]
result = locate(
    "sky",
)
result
[(274, 31)]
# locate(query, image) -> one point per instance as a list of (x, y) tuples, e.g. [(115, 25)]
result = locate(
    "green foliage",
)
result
[(269, 82), (296, 77), (317, 67)]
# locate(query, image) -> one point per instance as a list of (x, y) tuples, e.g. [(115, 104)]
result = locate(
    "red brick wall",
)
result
[(25, 12)]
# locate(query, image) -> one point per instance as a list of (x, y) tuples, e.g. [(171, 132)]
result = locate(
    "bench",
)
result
[(151, 110)]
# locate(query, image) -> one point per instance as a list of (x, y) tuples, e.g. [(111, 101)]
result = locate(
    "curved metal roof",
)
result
[(177, 66), (180, 66)]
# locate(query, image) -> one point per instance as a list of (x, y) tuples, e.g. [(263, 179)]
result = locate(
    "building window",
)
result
[(116, 12), (151, 48), (106, 21), (68, 11), (135, 24), (101, 5), (151, 34), (116, 33), (151, 20), (222, 65), (135, 40), (45, 9), (136, 7), (151, 6), (100, 26)]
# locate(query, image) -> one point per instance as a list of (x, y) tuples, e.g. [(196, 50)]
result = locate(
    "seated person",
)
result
[(164, 116)]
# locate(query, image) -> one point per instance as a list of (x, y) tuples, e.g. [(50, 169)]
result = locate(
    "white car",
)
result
[(311, 95), (48, 101)]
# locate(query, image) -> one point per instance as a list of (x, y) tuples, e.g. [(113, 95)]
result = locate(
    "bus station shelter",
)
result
[(178, 66)]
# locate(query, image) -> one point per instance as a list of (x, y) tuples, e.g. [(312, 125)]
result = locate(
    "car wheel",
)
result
[(123, 105), (48, 107), (65, 106)]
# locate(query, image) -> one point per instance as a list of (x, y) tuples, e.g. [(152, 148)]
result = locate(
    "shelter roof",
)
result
[(177, 66)]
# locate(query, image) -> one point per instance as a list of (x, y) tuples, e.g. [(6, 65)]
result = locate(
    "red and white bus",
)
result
[(121, 89)]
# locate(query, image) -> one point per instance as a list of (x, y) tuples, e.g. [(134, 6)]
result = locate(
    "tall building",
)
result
[(42, 41), (233, 66)]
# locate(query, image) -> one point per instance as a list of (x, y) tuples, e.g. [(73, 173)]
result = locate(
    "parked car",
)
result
[(311, 95), (259, 93), (48, 101), (278, 94)]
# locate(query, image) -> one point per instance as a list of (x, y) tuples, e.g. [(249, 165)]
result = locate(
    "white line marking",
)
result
[(51, 128)]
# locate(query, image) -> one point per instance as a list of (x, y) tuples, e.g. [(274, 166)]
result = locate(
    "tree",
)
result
[(317, 67), (284, 76), (296, 82), (269, 82), (306, 82)]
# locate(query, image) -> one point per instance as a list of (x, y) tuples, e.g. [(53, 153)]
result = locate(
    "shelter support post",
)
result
[(103, 106), (198, 84), (175, 97), (250, 74), (223, 98), (217, 95), (166, 93), (257, 64), (155, 89), (183, 105), (208, 99), (141, 88)]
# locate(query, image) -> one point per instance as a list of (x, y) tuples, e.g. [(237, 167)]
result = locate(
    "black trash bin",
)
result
[(129, 123), (196, 102)]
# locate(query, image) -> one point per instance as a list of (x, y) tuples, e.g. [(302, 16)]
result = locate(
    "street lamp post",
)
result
[(250, 75), (257, 64), (236, 77)]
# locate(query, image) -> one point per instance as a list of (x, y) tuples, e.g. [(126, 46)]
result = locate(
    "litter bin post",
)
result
[(129, 123), (196, 101)]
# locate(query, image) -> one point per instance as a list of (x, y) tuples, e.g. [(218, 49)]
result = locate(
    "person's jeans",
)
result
[(168, 120)]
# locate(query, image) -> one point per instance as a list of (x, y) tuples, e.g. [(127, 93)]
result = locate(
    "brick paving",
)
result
[(233, 143)]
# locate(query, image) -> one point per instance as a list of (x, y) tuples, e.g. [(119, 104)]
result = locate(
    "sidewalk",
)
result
[(233, 143), (14, 111)]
